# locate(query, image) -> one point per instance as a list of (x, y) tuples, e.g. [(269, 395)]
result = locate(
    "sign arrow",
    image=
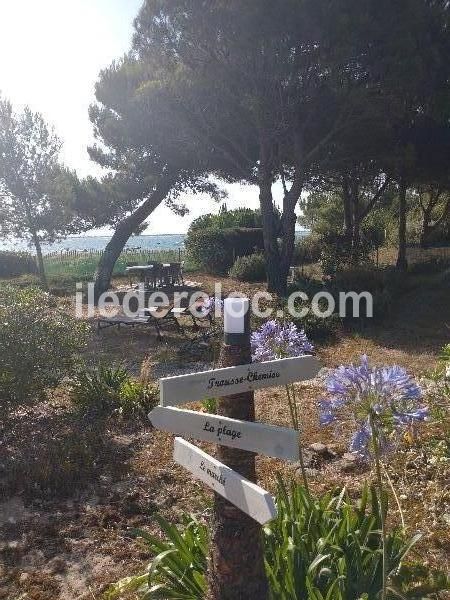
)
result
[(238, 490), (280, 442), (235, 380)]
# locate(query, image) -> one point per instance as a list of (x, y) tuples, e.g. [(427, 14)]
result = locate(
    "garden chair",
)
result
[(160, 316), (153, 278), (206, 317), (130, 275), (118, 320), (157, 317), (176, 273)]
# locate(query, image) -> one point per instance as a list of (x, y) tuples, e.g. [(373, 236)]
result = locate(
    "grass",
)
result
[(82, 266)]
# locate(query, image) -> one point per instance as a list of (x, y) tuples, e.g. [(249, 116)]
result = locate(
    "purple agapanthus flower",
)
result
[(211, 305), (276, 339), (385, 397)]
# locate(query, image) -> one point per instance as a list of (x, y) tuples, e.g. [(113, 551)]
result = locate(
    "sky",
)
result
[(51, 52)]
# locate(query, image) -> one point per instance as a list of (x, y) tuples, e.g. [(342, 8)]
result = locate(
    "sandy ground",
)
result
[(69, 538)]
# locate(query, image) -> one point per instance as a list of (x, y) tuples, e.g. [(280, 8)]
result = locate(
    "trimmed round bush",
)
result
[(13, 264), (215, 250), (249, 268)]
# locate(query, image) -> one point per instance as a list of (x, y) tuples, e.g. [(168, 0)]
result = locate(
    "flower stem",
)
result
[(292, 402), (394, 492), (376, 453)]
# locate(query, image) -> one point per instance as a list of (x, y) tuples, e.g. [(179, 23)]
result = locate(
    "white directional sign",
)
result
[(235, 380), (270, 440), (238, 490)]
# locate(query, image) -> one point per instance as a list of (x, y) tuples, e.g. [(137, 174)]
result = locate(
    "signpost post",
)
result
[(236, 567)]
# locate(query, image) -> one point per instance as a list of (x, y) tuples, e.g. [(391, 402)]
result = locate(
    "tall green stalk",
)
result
[(293, 409), (376, 453)]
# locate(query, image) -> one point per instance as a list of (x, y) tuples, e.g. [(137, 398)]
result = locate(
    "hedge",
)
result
[(215, 251), (249, 268), (13, 264)]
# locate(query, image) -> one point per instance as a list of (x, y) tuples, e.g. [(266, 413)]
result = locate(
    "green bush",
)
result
[(307, 250), (249, 268), (13, 264), (316, 328), (316, 548), (319, 329), (97, 390), (226, 219), (40, 344), (106, 390), (214, 250), (385, 285), (336, 254)]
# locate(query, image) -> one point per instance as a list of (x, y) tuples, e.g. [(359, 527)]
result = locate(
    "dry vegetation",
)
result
[(73, 490)]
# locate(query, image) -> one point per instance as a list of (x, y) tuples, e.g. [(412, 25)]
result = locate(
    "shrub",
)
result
[(336, 254), (226, 219), (319, 328), (179, 571), (210, 405), (137, 399), (249, 268), (435, 264), (316, 548), (316, 328), (385, 285), (331, 548), (13, 264), (40, 344), (303, 283), (307, 250), (214, 250), (97, 390), (105, 390)]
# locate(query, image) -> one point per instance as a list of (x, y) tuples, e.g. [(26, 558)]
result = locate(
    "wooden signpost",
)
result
[(270, 440), (236, 566), (238, 490), (235, 380)]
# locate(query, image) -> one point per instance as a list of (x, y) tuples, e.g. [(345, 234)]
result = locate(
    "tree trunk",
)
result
[(288, 243), (236, 554), (123, 232), (425, 234), (288, 221), (402, 263), (39, 260), (271, 251), (348, 212), (428, 228)]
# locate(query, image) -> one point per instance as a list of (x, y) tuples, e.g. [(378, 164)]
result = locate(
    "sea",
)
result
[(165, 241)]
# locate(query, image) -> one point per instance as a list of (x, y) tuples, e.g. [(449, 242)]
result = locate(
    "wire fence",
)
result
[(175, 254), (82, 263)]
